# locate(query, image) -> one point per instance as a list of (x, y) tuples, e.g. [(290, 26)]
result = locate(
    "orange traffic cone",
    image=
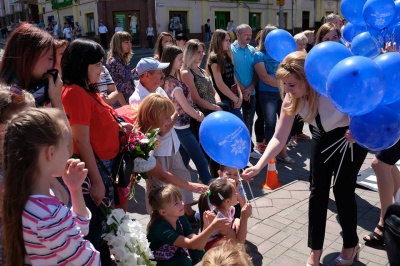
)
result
[(271, 179)]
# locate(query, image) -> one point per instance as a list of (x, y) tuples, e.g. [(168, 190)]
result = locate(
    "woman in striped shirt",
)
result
[(37, 146)]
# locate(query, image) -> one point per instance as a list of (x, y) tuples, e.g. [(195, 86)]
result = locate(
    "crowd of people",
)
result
[(62, 111)]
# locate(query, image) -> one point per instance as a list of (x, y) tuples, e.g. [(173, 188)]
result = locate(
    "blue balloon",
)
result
[(279, 43), (392, 33), (389, 63), (356, 85), (379, 13), (349, 31), (320, 61), (376, 130), (226, 139), (352, 11), (395, 107), (396, 18), (368, 44)]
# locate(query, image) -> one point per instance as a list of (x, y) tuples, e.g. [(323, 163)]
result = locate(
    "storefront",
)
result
[(134, 17)]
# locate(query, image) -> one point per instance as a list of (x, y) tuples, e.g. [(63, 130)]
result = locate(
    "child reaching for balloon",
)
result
[(169, 232), (223, 197), (228, 173), (37, 142)]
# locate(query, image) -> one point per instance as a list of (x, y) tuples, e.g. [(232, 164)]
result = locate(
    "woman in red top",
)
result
[(94, 128)]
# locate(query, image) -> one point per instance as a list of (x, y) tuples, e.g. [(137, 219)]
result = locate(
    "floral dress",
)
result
[(123, 78)]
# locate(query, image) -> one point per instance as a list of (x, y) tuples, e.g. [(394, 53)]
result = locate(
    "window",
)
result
[(305, 21), (255, 21), (179, 19)]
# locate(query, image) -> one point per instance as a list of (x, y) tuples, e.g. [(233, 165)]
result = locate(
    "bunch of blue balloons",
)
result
[(362, 82)]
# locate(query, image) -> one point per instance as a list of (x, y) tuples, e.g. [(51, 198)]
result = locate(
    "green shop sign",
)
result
[(57, 4)]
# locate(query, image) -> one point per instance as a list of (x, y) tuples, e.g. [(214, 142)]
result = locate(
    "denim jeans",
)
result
[(97, 225), (190, 149), (259, 123), (235, 111), (271, 104), (249, 110)]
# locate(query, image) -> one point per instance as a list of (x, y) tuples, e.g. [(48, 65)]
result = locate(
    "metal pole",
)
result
[(293, 17), (281, 22)]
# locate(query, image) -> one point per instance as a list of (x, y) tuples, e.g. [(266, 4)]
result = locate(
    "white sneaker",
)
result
[(255, 155)]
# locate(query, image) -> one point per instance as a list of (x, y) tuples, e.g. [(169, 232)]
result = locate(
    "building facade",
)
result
[(187, 15), (192, 15)]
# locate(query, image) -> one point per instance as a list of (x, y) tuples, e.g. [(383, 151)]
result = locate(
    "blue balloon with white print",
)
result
[(226, 139), (379, 13)]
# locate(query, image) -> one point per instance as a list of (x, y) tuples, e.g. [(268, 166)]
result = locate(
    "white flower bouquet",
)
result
[(126, 240)]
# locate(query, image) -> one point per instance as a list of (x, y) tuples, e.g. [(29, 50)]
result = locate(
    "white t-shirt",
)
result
[(67, 32), (55, 28)]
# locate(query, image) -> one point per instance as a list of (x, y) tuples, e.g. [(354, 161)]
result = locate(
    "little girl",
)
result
[(37, 146), (169, 233), (155, 111), (222, 195)]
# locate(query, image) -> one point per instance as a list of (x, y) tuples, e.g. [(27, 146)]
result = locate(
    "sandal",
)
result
[(375, 238), (287, 159)]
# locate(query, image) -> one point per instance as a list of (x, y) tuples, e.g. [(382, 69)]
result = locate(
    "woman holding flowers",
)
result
[(91, 119), (180, 95)]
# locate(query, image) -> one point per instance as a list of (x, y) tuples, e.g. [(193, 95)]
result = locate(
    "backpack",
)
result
[(391, 235)]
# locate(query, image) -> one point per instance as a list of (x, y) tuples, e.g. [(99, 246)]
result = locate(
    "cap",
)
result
[(149, 63)]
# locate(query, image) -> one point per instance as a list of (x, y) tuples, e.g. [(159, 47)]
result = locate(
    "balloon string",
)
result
[(340, 165), (340, 145), (332, 145), (251, 192)]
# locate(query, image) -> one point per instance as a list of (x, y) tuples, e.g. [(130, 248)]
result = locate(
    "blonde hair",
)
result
[(160, 196), (116, 47), (151, 111), (308, 32), (293, 64), (229, 253), (12, 101), (61, 43), (190, 52), (300, 38)]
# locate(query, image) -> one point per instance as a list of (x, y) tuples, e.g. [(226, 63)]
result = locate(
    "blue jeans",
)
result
[(271, 104), (190, 149), (97, 225), (208, 36), (249, 110), (235, 111)]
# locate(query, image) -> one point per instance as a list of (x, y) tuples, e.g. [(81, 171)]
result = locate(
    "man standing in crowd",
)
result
[(55, 29), (78, 30), (103, 35), (118, 28), (243, 56), (207, 29)]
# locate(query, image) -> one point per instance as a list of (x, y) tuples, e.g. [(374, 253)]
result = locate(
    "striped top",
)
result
[(53, 234)]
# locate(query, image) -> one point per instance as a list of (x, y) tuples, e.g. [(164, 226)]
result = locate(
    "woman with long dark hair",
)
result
[(94, 129)]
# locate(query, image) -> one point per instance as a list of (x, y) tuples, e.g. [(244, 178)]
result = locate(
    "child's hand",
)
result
[(74, 174), (236, 225), (246, 210), (208, 218), (220, 223)]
